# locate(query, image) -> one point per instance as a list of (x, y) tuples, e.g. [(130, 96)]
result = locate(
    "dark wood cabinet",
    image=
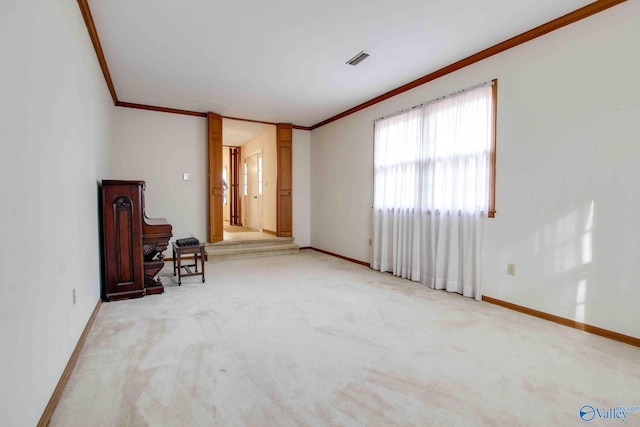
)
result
[(132, 244)]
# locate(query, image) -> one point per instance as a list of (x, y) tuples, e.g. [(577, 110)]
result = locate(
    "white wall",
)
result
[(302, 187), (159, 148), (55, 122), (567, 174), (342, 186)]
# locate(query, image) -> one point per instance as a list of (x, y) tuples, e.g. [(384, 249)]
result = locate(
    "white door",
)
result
[(253, 191)]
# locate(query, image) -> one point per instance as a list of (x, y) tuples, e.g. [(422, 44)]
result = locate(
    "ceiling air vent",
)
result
[(358, 58)]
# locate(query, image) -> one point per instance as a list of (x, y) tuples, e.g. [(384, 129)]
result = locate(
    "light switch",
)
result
[(185, 177)]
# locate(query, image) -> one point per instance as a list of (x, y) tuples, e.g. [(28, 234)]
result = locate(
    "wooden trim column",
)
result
[(214, 148), (284, 205)]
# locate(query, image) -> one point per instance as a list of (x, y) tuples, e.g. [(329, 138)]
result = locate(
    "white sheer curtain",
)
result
[(432, 191)]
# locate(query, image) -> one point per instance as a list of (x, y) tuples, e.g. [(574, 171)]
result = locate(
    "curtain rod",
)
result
[(489, 83)]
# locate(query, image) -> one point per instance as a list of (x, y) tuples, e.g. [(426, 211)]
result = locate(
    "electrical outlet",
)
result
[(74, 296), (369, 242), (511, 269)]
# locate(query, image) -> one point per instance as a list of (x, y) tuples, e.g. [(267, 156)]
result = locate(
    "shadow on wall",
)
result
[(563, 254)]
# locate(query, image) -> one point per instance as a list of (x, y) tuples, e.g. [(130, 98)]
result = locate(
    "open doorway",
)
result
[(249, 171), (231, 185)]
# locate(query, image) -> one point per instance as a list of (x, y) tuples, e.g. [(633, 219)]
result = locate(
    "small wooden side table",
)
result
[(197, 252)]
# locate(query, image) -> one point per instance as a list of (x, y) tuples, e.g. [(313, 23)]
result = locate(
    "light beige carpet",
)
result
[(312, 340)]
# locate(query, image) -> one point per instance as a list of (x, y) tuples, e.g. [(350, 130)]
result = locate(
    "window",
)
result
[(224, 185), (260, 175), (439, 156), (433, 185), (246, 180)]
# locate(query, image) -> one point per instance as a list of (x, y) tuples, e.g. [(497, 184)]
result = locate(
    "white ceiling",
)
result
[(236, 133), (284, 60)]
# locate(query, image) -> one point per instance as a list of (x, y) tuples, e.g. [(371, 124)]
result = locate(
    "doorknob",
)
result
[(255, 197)]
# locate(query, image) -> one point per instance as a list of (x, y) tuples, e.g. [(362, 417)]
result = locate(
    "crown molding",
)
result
[(570, 18)]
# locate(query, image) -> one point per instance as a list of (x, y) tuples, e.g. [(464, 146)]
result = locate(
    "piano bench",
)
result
[(198, 252)]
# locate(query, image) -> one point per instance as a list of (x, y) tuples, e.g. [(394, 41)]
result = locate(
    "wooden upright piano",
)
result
[(132, 243)]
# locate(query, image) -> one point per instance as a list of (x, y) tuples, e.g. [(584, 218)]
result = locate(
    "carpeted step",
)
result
[(251, 248)]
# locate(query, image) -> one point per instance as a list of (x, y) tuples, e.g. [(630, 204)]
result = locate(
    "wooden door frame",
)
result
[(214, 190), (284, 172), (234, 185)]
